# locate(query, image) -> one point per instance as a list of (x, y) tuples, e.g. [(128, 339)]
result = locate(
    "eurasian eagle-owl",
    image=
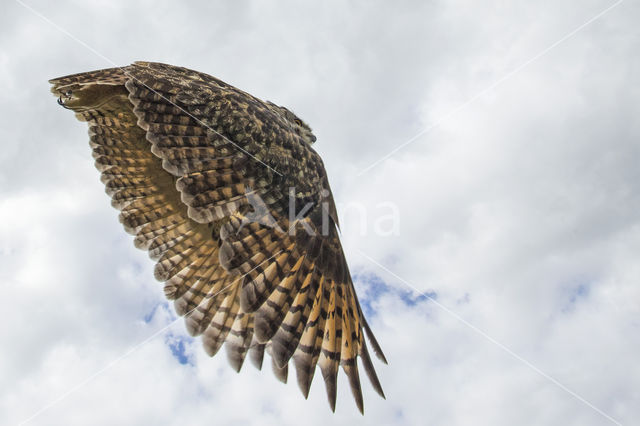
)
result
[(205, 176)]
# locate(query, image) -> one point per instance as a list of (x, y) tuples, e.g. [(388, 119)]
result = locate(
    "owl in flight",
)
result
[(230, 199)]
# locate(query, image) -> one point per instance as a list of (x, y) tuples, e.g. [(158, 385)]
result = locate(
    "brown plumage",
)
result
[(203, 175)]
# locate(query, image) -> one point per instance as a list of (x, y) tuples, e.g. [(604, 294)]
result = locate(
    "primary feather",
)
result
[(201, 173)]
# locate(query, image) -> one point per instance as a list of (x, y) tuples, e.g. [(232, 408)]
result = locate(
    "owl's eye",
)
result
[(298, 122)]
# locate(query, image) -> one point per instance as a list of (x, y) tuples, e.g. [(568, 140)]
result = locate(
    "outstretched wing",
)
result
[(204, 175)]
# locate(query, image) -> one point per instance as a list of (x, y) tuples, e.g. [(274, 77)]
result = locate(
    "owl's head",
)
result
[(296, 123)]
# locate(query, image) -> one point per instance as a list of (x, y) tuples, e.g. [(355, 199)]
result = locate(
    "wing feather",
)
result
[(202, 175), (285, 340), (306, 354), (239, 339)]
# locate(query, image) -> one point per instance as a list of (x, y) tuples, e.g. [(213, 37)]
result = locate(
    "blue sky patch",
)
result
[(577, 293), (148, 317), (372, 287), (178, 346)]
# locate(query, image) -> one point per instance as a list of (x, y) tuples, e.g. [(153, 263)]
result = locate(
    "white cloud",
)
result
[(518, 212)]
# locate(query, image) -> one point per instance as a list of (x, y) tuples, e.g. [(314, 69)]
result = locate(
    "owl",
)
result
[(231, 201)]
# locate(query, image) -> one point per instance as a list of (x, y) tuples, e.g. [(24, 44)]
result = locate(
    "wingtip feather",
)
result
[(374, 343), (330, 376), (371, 372), (351, 370), (280, 373), (256, 353)]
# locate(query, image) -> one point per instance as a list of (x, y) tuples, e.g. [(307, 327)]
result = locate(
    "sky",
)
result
[(484, 158)]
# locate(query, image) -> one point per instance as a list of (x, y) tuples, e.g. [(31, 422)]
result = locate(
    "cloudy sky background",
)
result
[(517, 211)]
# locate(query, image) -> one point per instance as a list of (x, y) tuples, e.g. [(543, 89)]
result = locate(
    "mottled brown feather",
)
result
[(184, 156)]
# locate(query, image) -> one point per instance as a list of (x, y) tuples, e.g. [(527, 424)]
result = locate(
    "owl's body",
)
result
[(228, 196)]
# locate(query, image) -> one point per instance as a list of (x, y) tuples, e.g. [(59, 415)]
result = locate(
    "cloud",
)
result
[(518, 213)]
